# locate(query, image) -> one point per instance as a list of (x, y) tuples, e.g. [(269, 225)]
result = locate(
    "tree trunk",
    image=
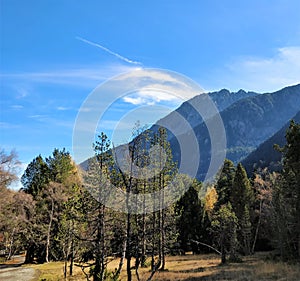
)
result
[(163, 234), (257, 227), (49, 231), (153, 242), (223, 256), (29, 257), (223, 250), (299, 245), (143, 250), (122, 257), (65, 268), (11, 243), (160, 236), (163, 254), (128, 255), (72, 255), (143, 254), (103, 250), (298, 214), (98, 273)]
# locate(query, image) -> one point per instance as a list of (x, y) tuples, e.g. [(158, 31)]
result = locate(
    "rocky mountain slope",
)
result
[(249, 120), (265, 155)]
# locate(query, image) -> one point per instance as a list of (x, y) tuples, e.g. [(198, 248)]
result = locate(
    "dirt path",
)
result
[(12, 271), (18, 274)]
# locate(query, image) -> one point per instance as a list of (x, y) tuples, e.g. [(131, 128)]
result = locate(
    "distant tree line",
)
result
[(54, 217)]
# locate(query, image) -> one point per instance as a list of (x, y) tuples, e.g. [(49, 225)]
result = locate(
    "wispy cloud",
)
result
[(62, 108), (166, 83), (264, 74), (39, 117), (148, 97), (134, 100), (7, 125), (22, 93), (85, 77), (109, 51), (17, 107), (52, 121)]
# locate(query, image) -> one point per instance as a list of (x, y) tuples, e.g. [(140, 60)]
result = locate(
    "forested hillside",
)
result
[(60, 214), (266, 154)]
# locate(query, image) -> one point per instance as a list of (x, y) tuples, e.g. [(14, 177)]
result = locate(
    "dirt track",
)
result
[(12, 271), (18, 274)]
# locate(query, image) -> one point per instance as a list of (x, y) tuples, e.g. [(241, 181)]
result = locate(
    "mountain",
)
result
[(265, 155), (224, 98), (221, 99), (248, 122), (253, 123)]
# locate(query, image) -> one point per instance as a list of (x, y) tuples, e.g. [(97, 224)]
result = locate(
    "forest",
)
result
[(60, 214)]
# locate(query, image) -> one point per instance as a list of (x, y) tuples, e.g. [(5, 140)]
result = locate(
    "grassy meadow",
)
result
[(193, 268)]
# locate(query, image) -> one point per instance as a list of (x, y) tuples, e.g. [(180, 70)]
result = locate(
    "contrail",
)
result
[(109, 51)]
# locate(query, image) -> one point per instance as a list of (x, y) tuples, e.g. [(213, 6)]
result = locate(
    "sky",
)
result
[(55, 53)]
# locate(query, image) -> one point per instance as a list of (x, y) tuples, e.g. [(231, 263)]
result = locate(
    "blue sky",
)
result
[(55, 53)]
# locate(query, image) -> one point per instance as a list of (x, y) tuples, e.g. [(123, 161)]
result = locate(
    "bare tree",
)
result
[(9, 165)]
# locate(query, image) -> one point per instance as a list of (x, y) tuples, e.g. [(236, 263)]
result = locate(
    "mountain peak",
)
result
[(249, 119), (241, 92)]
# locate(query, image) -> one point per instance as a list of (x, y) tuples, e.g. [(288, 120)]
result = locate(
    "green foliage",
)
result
[(225, 182), (189, 214), (242, 198), (223, 226), (51, 182), (241, 192), (60, 166), (287, 196), (36, 176)]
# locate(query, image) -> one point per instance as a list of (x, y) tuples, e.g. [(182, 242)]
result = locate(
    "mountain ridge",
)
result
[(249, 119), (248, 122)]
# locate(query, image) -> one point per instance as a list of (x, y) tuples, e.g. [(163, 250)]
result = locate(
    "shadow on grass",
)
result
[(222, 272), (195, 270), (5, 266), (16, 261)]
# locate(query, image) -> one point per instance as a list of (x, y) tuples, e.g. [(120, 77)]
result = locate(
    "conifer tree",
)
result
[(291, 160), (287, 194), (96, 181), (241, 199), (36, 176), (225, 182), (224, 226), (189, 213)]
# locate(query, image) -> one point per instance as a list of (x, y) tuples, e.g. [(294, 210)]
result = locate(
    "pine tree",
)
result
[(225, 182), (291, 162), (287, 194), (36, 176), (241, 199), (167, 169), (189, 213), (96, 181), (224, 225)]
